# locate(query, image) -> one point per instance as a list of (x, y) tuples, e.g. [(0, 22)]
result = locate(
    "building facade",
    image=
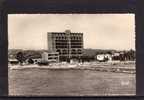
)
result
[(68, 44), (50, 56)]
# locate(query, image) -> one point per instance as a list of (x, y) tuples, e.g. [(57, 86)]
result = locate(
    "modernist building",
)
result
[(68, 44), (50, 56)]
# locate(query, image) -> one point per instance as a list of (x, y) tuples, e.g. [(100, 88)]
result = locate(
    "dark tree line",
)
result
[(20, 57), (129, 55)]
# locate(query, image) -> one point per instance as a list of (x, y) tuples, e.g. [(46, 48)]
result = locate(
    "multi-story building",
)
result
[(68, 44), (50, 56)]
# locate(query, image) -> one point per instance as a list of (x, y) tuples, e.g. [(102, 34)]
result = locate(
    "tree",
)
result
[(20, 57), (30, 61)]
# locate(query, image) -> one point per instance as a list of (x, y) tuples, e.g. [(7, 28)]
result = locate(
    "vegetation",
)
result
[(88, 54), (20, 57)]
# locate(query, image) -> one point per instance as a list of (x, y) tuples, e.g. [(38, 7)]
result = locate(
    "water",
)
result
[(69, 82)]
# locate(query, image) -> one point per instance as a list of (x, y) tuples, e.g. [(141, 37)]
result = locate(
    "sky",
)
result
[(101, 31)]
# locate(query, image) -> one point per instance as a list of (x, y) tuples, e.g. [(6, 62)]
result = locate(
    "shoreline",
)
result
[(105, 67)]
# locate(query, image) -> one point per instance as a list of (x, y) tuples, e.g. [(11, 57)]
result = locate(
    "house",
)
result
[(104, 57), (116, 56), (13, 61), (50, 56)]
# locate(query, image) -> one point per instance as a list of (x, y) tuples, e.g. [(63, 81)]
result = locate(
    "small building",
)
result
[(50, 56), (13, 61), (104, 57), (116, 56), (100, 57), (44, 57)]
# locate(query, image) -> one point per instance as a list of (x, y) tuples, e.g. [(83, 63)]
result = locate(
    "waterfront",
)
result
[(69, 82)]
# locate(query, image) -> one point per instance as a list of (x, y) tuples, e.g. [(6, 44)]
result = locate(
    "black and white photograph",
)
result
[(71, 55)]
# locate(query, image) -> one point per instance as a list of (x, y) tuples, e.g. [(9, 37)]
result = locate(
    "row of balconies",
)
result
[(67, 41), (53, 58), (53, 55), (57, 47), (73, 51), (66, 38), (64, 34), (73, 44)]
